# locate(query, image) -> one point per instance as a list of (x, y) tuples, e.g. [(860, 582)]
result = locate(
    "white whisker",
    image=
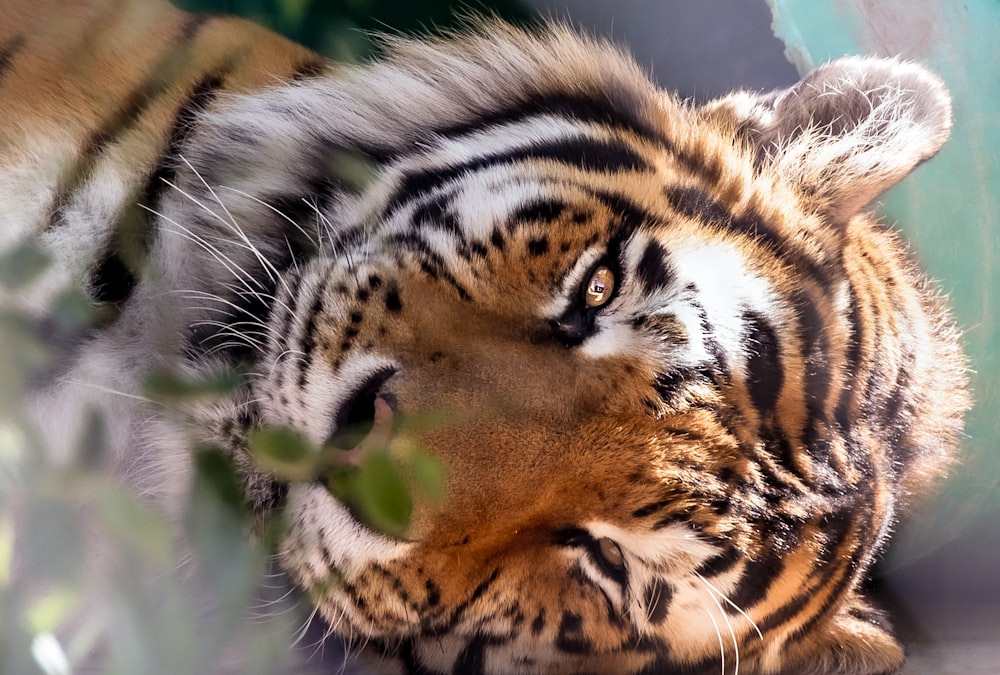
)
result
[(718, 634), (107, 390), (322, 220), (268, 267), (223, 259), (263, 203), (729, 624), (732, 604)]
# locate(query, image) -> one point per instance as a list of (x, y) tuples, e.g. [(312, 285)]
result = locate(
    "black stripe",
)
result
[(430, 261), (201, 95), (159, 80), (610, 108), (111, 280), (852, 361), (280, 320), (654, 270), (616, 108), (712, 345), (116, 275), (436, 212), (668, 385), (699, 205), (658, 596), (472, 659), (589, 154), (545, 210), (823, 580), (308, 344), (898, 424), (477, 592), (721, 563), (695, 203), (816, 347), (571, 637), (125, 116), (816, 386), (7, 53), (406, 653), (629, 216), (756, 580), (765, 375), (654, 507)]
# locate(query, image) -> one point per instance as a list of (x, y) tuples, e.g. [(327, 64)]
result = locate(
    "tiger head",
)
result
[(677, 377)]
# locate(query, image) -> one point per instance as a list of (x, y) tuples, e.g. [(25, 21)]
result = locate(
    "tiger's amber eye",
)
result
[(600, 287), (611, 552)]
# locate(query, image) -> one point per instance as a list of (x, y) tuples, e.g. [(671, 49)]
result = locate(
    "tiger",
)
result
[(688, 379)]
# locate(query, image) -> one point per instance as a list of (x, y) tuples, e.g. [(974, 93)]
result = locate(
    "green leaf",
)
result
[(133, 524), (22, 264), (353, 169), (22, 355), (72, 312), (218, 471), (381, 494), (165, 385), (284, 453), (429, 474)]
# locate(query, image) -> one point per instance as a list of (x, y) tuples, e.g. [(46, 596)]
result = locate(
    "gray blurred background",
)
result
[(698, 48)]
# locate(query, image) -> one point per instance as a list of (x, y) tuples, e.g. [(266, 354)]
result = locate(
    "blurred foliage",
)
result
[(341, 29), (133, 604)]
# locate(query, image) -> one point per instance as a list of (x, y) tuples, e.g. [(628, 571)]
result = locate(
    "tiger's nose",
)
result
[(366, 420)]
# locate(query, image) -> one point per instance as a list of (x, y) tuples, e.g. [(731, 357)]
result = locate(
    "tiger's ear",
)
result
[(847, 131)]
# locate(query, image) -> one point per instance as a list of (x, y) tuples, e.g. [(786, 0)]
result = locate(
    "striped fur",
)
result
[(693, 477)]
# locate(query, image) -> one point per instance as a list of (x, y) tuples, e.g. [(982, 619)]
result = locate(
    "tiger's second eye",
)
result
[(600, 287), (611, 553)]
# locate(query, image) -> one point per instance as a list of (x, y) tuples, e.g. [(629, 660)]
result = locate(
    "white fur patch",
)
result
[(319, 520)]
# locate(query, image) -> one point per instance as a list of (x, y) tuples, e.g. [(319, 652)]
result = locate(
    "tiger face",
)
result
[(680, 380)]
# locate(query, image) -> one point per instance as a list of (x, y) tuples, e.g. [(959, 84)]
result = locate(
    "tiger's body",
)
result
[(695, 381)]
